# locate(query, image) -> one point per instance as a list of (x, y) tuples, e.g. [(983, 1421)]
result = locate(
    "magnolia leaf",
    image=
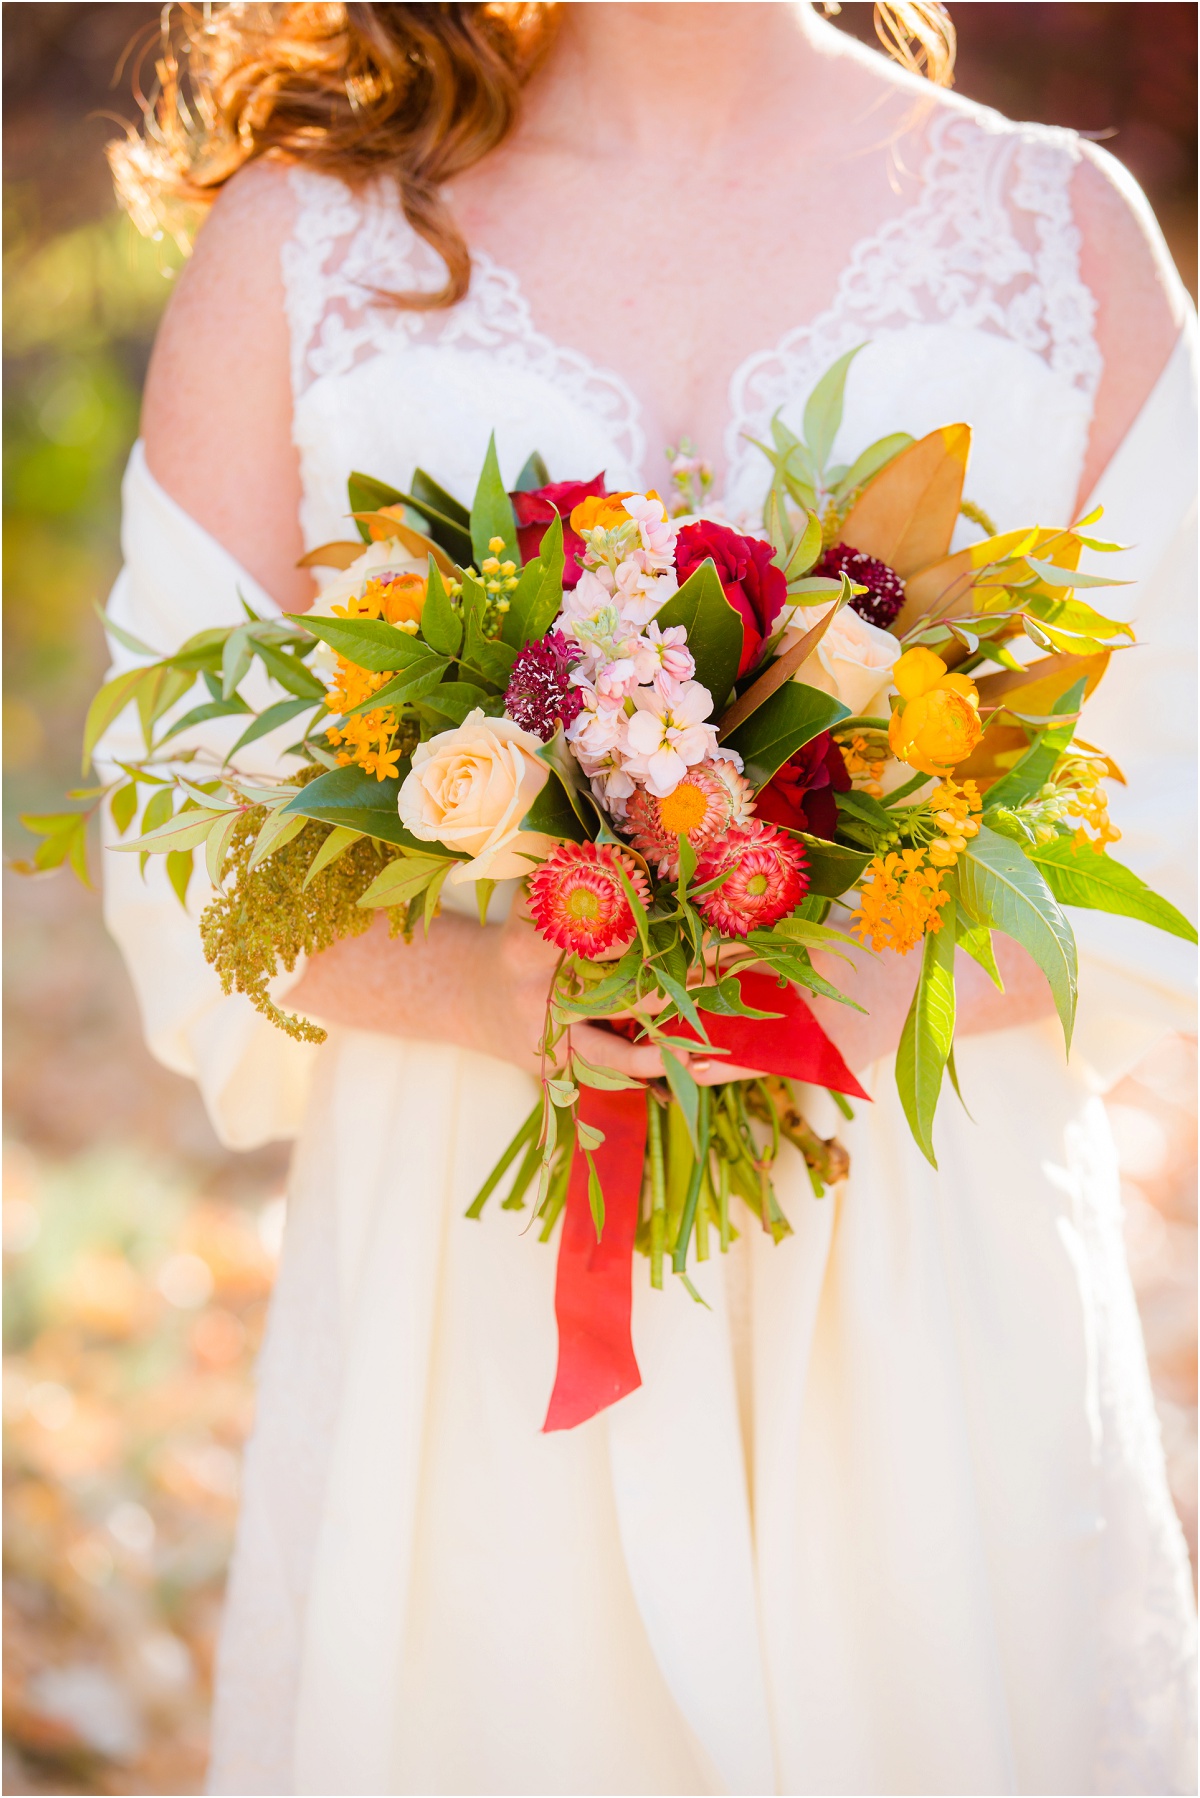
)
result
[(907, 514), (1036, 766), (1001, 889), (340, 555), (784, 668), (786, 720), (389, 526), (928, 1037), (1088, 878), (873, 459), (823, 412), (714, 630), (492, 513)]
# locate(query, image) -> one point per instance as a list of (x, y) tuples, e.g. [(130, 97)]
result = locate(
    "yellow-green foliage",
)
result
[(263, 919)]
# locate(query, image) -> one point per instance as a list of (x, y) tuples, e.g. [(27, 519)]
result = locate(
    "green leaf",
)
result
[(416, 681), (433, 891), (123, 806), (1037, 764), (180, 864), (126, 638), (685, 1093), (1053, 576), (235, 660), (159, 807), (537, 598), (605, 1080), (279, 828), (365, 494), (354, 798), (492, 513), (595, 1192), (928, 1037), (270, 720), (203, 651), (832, 868), (804, 551), (109, 703), (428, 491), (289, 671), (782, 724), (1095, 881), (217, 844), (483, 897), (203, 714), (404, 879), (975, 939), (535, 474), (184, 831), (553, 813), (823, 413), (1002, 889), (338, 840), (441, 625), (444, 526), (367, 642), (453, 700), (714, 630), (484, 655)]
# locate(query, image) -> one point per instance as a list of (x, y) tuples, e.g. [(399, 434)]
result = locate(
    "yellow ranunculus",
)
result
[(936, 724)]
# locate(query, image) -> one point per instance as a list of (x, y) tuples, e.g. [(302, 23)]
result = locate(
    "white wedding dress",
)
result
[(891, 1515)]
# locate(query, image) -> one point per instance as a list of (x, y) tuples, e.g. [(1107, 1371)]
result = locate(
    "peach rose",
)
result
[(469, 788), (853, 661)]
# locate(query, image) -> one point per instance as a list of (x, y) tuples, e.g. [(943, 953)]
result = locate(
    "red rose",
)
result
[(800, 795), (534, 511), (752, 584)]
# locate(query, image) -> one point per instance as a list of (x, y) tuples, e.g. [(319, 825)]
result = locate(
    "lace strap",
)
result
[(346, 249), (1046, 161)]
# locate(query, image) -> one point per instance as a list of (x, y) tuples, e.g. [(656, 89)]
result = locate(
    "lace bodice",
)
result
[(970, 299)]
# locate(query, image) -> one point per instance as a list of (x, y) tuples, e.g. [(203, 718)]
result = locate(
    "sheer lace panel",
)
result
[(990, 244), (348, 251)]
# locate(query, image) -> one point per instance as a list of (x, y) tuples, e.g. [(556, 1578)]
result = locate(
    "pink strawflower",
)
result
[(708, 801), (578, 902), (768, 878), (540, 695)]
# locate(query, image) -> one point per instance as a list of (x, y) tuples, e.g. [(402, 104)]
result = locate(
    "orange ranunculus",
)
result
[(399, 597), (603, 510), (936, 724)]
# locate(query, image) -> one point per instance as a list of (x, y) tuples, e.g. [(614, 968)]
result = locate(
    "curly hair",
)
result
[(421, 92)]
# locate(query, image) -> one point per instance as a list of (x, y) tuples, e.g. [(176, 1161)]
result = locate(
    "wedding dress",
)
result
[(890, 1515)]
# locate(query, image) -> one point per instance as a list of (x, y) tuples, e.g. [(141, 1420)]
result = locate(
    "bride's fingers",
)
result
[(711, 1070), (604, 1049)]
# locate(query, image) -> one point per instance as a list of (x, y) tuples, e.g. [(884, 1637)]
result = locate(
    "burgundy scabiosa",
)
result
[(577, 899), (881, 603), (766, 877), (540, 696), (709, 799)]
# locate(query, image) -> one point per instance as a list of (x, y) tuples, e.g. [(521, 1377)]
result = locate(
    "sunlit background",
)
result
[(138, 1253)]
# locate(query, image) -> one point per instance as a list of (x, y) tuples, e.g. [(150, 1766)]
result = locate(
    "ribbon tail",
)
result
[(593, 1294)]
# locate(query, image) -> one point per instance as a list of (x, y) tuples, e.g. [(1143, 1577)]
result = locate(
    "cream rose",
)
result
[(852, 662), (470, 788), (385, 558)]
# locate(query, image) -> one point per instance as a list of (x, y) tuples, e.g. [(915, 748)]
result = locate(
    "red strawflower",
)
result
[(882, 601), (534, 511), (540, 696), (750, 580), (710, 798), (578, 902), (767, 878), (801, 794)]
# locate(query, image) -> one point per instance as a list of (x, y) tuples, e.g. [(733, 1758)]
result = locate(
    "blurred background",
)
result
[(138, 1254)]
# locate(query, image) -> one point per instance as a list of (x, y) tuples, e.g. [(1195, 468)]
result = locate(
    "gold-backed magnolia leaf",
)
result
[(950, 586), (1032, 692), (907, 514), (332, 555), (389, 522)]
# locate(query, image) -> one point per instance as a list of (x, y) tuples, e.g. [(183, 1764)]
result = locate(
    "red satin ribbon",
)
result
[(593, 1295)]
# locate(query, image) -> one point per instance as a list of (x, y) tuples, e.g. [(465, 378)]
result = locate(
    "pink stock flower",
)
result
[(578, 902), (666, 653), (668, 734), (766, 878)]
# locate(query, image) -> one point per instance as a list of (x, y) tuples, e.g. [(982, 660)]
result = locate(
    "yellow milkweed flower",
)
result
[(900, 901), (936, 724)]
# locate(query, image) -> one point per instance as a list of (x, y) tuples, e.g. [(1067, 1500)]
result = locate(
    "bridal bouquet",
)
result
[(690, 743)]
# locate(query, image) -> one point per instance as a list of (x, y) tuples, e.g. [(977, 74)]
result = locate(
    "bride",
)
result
[(889, 1515)]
